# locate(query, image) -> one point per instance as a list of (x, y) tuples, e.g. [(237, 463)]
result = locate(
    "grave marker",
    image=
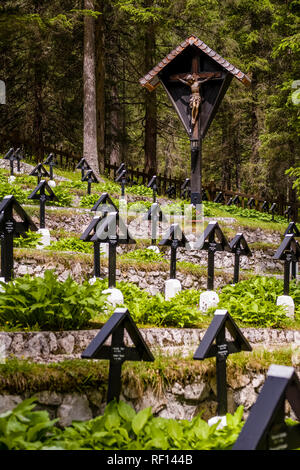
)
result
[(288, 251), (236, 200), (83, 166), (229, 202), (155, 215), (186, 189), (239, 247), (13, 156), (90, 177), (212, 240), (288, 212), (43, 193), (251, 202), (175, 238), (10, 227), (215, 344), (112, 230), (292, 228), (265, 206), (104, 204), (40, 172), (117, 352), (153, 185), (265, 428), (195, 79), (87, 235), (219, 198), (121, 178), (273, 209), (50, 160)]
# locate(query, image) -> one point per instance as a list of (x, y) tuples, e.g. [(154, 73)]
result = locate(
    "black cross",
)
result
[(215, 344), (10, 228), (174, 238), (266, 427), (212, 240), (43, 193), (118, 352)]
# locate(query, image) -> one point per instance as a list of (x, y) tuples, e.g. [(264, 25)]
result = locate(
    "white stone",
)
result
[(52, 183), (288, 303), (104, 250), (153, 248), (11, 179), (2, 279), (93, 280), (208, 299), (215, 419), (172, 287), (45, 239), (115, 296)]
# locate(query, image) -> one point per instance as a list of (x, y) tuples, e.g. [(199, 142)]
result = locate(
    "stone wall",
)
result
[(177, 401), (49, 346), (180, 401)]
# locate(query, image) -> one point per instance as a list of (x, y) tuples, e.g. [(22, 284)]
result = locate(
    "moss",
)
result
[(20, 376)]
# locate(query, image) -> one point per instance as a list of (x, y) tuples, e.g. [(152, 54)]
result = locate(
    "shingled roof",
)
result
[(151, 79)]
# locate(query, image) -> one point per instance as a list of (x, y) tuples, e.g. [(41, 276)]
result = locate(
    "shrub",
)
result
[(47, 303), (146, 309), (143, 255), (28, 240), (119, 428), (253, 302), (139, 190), (71, 244)]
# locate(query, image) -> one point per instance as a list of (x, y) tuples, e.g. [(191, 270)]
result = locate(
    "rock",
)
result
[(9, 402), (196, 392), (45, 238), (288, 303), (74, 407), (218, 419), (246, 396), (49, 398), (67, 344), (115, 296), (172, 287), (208, 299)]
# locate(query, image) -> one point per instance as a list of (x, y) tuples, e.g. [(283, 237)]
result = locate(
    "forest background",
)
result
[(72, 71)]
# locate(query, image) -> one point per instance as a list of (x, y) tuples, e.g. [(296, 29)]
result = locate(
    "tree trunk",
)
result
[(150, 103), (90, 152), (100, 87)]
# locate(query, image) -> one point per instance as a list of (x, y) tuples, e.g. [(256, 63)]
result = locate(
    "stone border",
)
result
[(51, 346)]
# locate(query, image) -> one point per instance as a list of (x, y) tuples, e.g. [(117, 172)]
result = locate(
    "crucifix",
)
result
[(195, 78), (194, 81)]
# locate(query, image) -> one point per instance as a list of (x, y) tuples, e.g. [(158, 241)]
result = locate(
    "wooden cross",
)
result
[(194, 80)]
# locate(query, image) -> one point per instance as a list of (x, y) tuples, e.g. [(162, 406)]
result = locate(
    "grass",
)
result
[(20, 376)]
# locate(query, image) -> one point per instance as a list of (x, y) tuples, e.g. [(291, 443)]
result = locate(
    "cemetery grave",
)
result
[(59, 324)]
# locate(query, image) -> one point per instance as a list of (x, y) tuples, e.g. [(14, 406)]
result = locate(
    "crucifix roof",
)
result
[(151, 79)]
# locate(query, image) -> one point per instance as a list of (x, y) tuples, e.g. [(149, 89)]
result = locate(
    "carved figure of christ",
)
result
[(194, 81)]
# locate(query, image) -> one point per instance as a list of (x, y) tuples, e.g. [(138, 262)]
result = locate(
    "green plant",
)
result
[(16, 190), (71, 244), (121, 428), (65, 198), (146, 309), (28, 240), (90, 199), (139, 190), (143, 255), (253, 302), (25, 429), (47, 303)]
